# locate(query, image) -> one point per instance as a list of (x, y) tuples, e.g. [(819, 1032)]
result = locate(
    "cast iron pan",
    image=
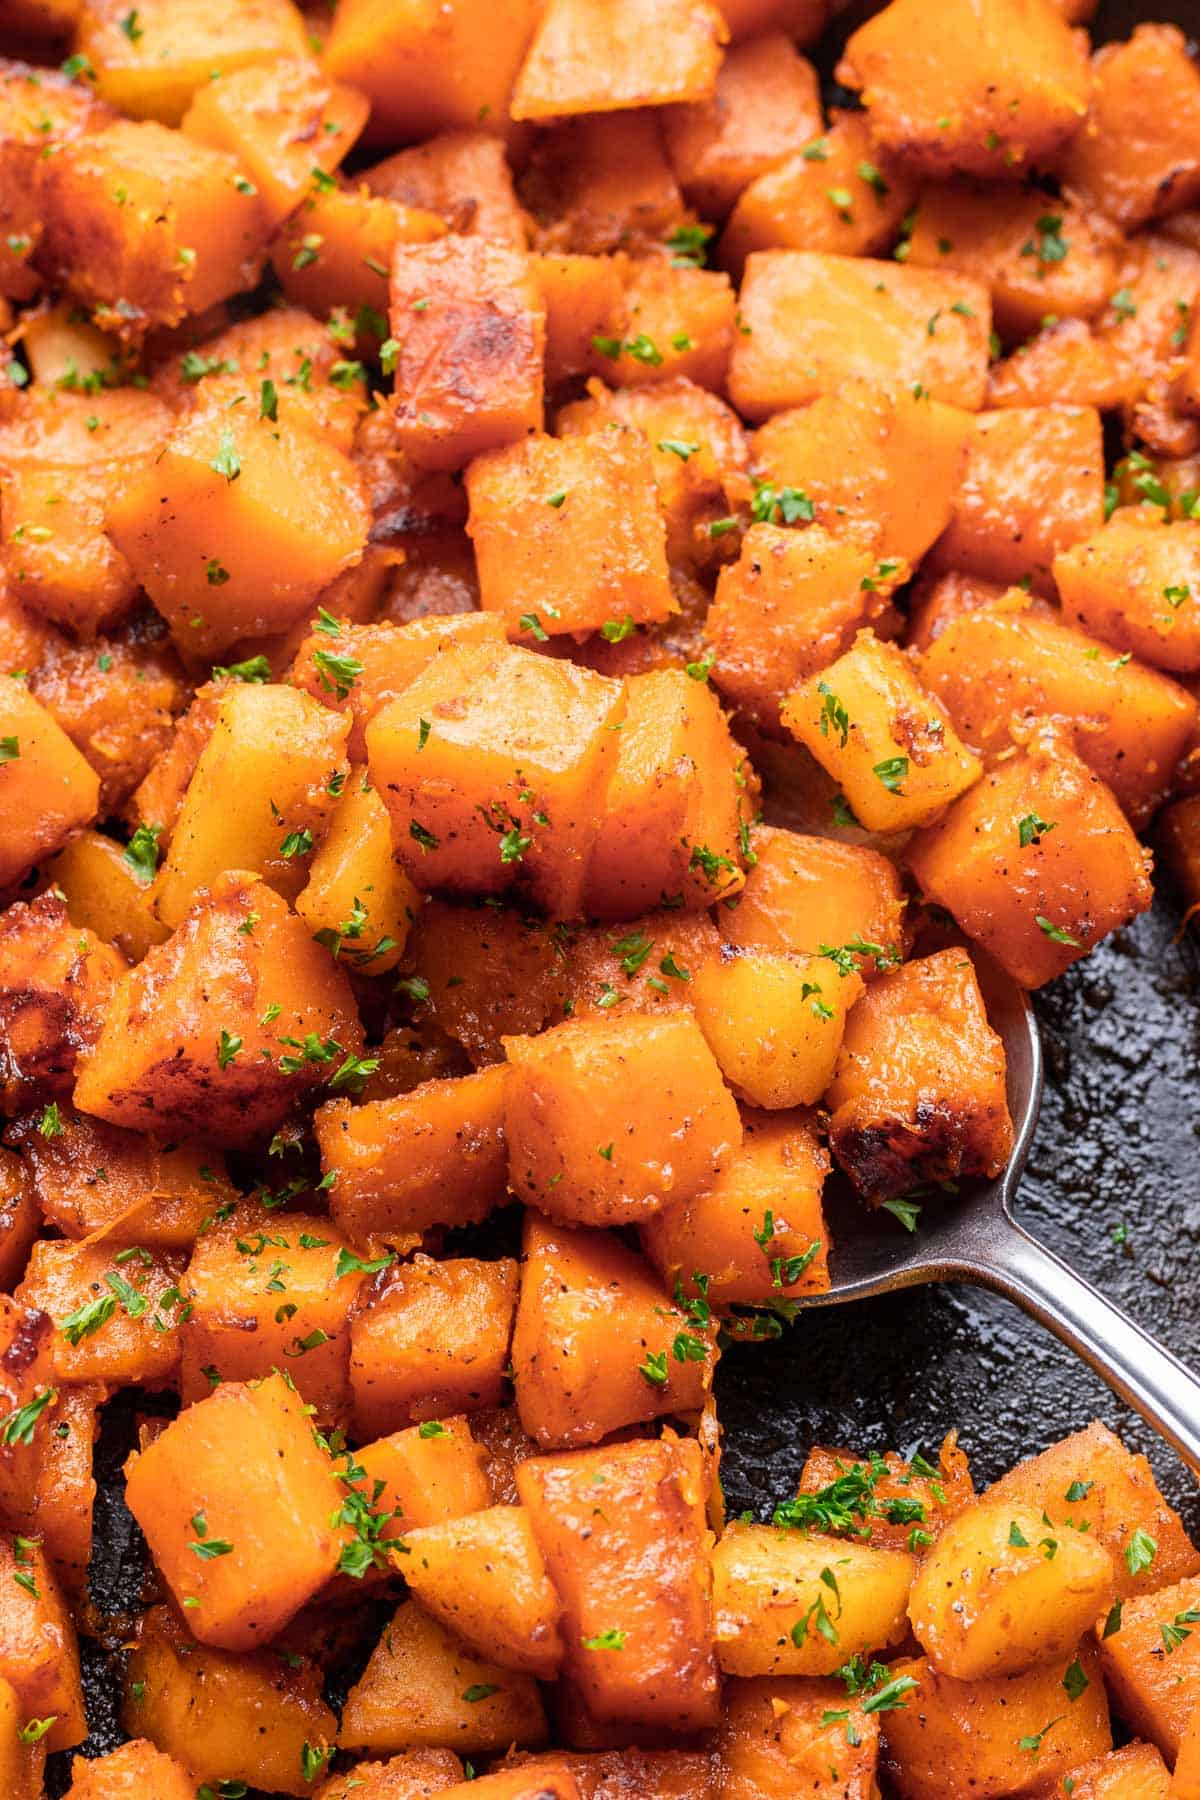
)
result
[(1116, 1147)]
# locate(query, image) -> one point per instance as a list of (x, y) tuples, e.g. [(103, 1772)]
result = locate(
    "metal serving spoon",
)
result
[(974, 1237)]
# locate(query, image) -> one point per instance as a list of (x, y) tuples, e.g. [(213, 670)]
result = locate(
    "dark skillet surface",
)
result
[(1116, 1143)]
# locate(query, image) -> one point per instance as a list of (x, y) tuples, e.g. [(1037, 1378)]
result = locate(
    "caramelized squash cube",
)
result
[(413, 1775), (153, 71), (483, 1577), (1135, 583), (337, 249), (428, 1477), (590, 56), (809, 893), (47, 789), (136, 1768), (777, 1731), (55, 985), (20, 1218), (1136, 1771), (899, 1493), (489, 973), (582, 296), (463, 178), (646, 964), (766, 105), (679, 322), (39, 1651), (114, 1321), (602, 182), (775, 1020), (353, 874), (1136, 157)]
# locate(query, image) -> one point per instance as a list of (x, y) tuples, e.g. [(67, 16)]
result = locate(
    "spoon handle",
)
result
[(1134, 1364)]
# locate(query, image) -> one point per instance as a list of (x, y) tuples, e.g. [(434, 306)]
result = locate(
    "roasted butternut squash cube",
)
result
[(631, 1571), (1136, 156), (153, 71), (677, 807), (182, 1046), (905, 1505), (576, 1148), (22, 1765), (432, 1338), (137, 1767), (1037, 863), (1091, 1478), (358, 902), (115, 1312), (47, 789), (1006, 1736), (1033, 486), (337, 248), (999, 1593), (55, 984), (810, 893), (918, 1093), (425, 71), (602, 182), (421, 1689), (778, 1731), (239, 526), (26, 1382), (1135, 583), (259, 796), (646, 964), (470, 336), (679, 322), (235, 1499), (40, 110), (568, 535), (890, 745), (435, 1156), (271, 1290), (1066, 363), (774, 1020), (64, 1490), (287, 126), (226, 1717), (791, 603), (484, 973), (39, 1652), (775, 1607), (93, 1179), (145, 226), (816, 321), (757, 1234), (483, 1577), (1007, 662), (1137, 1771), (590, 56), (492, 764), (837, 193), (581, 1293), (1037, 256), (977, 89), (462, 177), (20, 1219), (851, 456), (413, 1775), (937, 601), (582, 297), (428, 1477)]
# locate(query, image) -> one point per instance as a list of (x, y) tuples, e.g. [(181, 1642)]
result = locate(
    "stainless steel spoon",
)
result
[(974, 1237)]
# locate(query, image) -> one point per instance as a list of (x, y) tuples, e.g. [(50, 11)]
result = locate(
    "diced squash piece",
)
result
[(591, 56), (757, 1234), (235, 1499), (285, 124), (1135, 583), (424, 70), (1037, 863), (774, 1020), (1136, 157), (576, 1147), (602, 182), (46, 787), (93, 1179), (568, 535), (838, 194), (969, 87), (1033, 486), (428, 1477), (1016, 1735), (919, 1093), (778, 1732), (630, 1569), (259, 796), (64, 1490), (677, 806), (239, 526), (582, 1292), (39, 1652), (1003, 665), (679, 321), (851, 455), (890, 745), (357, 900), (791, 603), (803, 893), (20, 1219), (485, 972), (483, 1577), (812, 322), (766, 105), (1136, 1772), (778, 1614), (136, 1768), (145, 226), (422, 1690), (470, 335), (435, 1156), (413, 1775), (337, 249), (40, 110), (226, 1717), (1151, 1662), (1037, 256), (106, 894), (55, 984), (463, 178), (27, 1402), (183, 1040), (581, 296), (1119, 1500), (432, 1338), (999, 1594), (492, 763), (114, 1321), (902, 1507), (1066, 363), (153, 71), (646, 964), (938, 601)]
